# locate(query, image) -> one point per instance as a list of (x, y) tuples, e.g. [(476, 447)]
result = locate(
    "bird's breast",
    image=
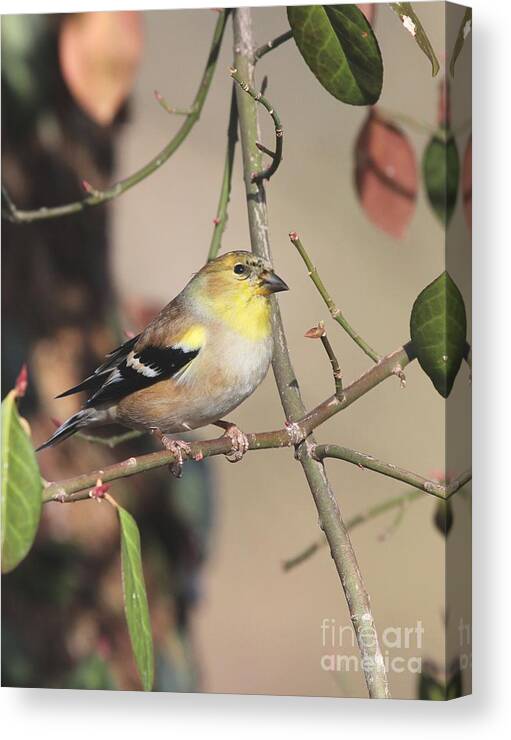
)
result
[(227, 370), (232, 363)]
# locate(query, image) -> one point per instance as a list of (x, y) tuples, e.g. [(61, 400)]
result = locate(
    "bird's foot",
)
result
[(178, 447), (239, 442)]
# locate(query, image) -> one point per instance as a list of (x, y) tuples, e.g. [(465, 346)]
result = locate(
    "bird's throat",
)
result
[(248, 316)]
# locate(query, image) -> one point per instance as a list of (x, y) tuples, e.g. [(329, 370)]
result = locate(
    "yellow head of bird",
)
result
[(240, 273), (235, 287)]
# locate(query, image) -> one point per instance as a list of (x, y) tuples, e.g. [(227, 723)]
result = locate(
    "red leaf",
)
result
[(385, 174), (466, 183), (368, 9), (99, 55), (21, 384)]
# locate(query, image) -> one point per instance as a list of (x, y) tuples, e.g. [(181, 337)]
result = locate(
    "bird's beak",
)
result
[(272, 283)]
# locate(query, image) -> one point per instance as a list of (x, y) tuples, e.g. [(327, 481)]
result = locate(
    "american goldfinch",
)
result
[(195, 362)]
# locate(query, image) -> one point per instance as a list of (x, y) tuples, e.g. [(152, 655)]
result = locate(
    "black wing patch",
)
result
[(96, 380), (117, 355), (140, 370)]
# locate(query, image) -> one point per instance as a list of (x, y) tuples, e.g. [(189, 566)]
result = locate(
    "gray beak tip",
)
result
[(275, 284)]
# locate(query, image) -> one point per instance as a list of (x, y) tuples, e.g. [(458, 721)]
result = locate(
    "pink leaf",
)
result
[(99, 54), (385, 174), (21, 384)]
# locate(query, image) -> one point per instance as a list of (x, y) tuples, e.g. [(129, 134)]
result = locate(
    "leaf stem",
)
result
[(335, 312), (97, 197)]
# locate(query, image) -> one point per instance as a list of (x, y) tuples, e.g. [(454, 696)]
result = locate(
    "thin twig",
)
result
[(97, 197), (319, 331), (264, 149), (274, 44), (276, 157), (378, 466), (335, 312), (225, 191), (366, 516), (113, 441), (289, 390), (169, 109)]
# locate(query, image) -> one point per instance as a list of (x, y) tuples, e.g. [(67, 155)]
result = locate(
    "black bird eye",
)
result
[(240, 269)]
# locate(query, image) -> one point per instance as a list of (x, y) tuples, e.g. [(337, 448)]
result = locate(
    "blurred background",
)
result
[(226, 616)]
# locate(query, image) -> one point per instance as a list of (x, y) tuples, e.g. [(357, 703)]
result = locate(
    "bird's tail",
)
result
[(69, 427)]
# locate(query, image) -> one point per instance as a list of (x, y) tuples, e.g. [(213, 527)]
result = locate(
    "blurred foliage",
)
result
[(441, 172), (386, 176), (443, 517), (434, 686), (99, 55), (63, 621)]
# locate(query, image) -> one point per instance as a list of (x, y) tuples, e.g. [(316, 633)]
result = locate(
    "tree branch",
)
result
[(286, 437), (378, 466), (274, 44), (331, 522), (97, 197), (334, 310), (225, 191), (63, 491), (276, 156)]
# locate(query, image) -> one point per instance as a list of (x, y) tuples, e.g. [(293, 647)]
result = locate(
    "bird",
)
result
[(195, 362)]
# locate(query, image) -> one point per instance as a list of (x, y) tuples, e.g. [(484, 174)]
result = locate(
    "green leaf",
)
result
[(441, 173), (411, 22), (339, 45), (465, 28), (21, 487), (438, 328), (135, 599)]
